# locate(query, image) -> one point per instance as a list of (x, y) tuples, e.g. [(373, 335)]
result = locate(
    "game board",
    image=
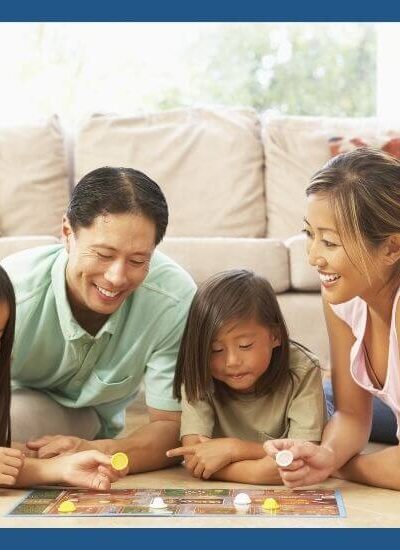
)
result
[(181, 502)]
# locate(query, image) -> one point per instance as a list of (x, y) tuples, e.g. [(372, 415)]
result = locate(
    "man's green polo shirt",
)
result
[(54, 354)]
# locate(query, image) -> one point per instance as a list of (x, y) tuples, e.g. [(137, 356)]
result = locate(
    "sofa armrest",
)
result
[(303, 276)]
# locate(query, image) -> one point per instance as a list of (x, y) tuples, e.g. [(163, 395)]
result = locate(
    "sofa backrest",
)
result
[(34, 186), (209, 163)]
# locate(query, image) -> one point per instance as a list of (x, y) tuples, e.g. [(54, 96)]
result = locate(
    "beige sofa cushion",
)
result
[(295, 148), (203, 257), (34, 187), (302, 275), (208, 163), (10, 245)]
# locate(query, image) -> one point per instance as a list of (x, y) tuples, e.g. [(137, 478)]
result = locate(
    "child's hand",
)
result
[(311, 463), (87, 469), (11, 462), (207, 457)]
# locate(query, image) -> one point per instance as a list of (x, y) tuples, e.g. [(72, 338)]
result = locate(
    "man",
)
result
[(96, 316)]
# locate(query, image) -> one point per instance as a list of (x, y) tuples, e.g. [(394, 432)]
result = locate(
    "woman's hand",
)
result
[(207, 457), (311, 463), (11, 462), (87, 469)]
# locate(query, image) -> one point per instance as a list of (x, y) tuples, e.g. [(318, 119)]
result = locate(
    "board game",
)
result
[(181, 502)]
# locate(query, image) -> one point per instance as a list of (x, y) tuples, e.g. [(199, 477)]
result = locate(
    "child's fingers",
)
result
[(110, 473), (198, 470), (103, 483), (179, 451)]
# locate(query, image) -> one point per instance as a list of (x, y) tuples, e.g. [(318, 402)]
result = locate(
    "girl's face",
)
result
[(4, 316), (241, 352), (340, 279)]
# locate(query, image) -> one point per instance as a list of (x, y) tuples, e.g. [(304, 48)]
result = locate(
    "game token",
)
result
[(270, 504), (241, 499), (67, 506), (157, 503), (119, 461), (284, 458)]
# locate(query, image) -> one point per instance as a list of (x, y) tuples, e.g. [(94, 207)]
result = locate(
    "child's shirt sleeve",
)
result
[(307, 410), (197, 417)]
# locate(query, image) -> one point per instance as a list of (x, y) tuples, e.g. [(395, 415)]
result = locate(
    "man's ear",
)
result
[(66, 232), (391, 249)]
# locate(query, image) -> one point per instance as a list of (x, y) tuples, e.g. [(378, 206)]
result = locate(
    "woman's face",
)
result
[(108, 260), (4, 316), (340, 279)]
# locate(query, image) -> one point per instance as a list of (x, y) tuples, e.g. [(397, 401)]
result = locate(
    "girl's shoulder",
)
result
[(301, 358)]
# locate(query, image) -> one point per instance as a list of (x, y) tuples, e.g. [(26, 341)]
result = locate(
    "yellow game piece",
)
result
[(67, 506), (270, 504), (119, 461)]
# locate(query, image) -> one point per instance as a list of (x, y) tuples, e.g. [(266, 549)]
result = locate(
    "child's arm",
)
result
[(260, 471), (11, 462), (204, 456), (87, 469)]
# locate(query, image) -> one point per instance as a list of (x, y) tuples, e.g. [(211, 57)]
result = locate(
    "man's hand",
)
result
[(87, 469), (311, 463), (207, 457), (49, 446), (11, 462)]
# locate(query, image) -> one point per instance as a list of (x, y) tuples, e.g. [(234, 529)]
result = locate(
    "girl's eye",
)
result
[(246, 346), (216, 350)]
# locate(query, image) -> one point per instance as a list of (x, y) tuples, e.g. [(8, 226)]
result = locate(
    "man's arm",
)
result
[(146, 447)]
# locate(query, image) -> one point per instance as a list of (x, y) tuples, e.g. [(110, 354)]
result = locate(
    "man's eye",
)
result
[(137, 262), (104, 256)]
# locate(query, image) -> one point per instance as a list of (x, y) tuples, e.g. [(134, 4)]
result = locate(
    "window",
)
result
[(297, 69)]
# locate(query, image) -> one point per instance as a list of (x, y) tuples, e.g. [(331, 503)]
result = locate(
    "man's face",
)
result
[(108, 260)]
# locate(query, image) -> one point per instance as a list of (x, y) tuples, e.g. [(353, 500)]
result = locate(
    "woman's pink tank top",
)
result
[(354, 313)]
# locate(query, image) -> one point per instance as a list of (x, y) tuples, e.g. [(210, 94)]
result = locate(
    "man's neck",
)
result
[(89, 320)]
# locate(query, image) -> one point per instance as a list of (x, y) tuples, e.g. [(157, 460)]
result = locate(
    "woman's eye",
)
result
[(306, 232), (328, 244)]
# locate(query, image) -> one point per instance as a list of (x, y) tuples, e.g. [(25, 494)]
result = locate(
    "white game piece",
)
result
[(158, 503), (284, 458), (241, 499)]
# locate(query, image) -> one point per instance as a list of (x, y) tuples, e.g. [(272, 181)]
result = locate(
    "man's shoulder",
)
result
[(168, 278), (30, 269)]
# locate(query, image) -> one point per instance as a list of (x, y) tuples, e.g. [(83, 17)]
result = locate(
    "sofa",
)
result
[(234, 180)]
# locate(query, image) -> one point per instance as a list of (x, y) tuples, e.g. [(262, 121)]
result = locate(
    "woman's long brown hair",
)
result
[(7, 297)]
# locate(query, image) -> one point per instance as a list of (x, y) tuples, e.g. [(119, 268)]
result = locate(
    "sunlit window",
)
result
[(79, 68)]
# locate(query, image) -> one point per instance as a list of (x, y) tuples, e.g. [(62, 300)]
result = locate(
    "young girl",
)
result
[(353, 229), (242, 381), (90, 469)]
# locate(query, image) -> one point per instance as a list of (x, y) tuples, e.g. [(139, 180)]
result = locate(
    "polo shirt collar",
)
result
[(70, 328)]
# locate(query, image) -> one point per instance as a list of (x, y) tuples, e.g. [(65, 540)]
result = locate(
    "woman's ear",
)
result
[(391, 249)]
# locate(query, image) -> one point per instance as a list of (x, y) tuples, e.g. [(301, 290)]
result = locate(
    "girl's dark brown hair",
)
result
[(7, 297), (227, 296)]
